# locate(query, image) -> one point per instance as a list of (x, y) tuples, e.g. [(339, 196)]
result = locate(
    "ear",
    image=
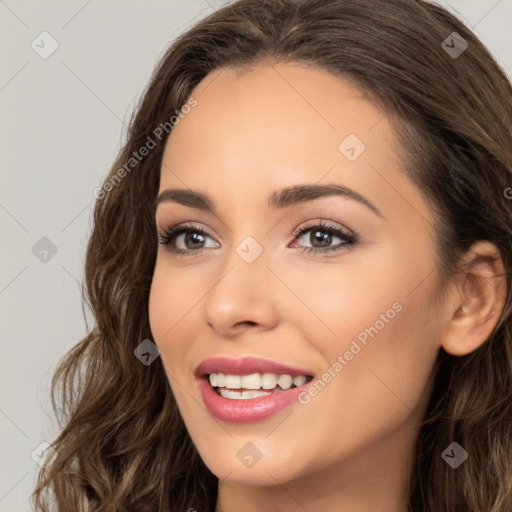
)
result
[(477, 301)]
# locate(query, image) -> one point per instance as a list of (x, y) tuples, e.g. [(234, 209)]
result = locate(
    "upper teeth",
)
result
[(255, 381)]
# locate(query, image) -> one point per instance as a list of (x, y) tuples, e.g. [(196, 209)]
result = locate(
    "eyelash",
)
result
[(349, 240)]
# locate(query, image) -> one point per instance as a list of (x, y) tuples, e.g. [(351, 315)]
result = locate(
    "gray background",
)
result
[(63, 120)]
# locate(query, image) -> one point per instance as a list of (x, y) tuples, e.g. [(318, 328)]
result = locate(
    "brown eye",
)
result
[(321, 236), (190, 238)]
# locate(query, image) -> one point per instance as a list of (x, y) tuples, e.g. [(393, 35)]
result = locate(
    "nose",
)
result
[(245, 296)]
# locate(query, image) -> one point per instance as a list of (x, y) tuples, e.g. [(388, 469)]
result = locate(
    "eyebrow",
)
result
[(277, 200)]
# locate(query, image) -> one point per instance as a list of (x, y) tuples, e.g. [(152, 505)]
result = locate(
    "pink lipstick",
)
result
[(248, 389)]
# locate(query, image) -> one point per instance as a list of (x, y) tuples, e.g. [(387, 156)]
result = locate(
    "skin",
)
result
[(348, 449)]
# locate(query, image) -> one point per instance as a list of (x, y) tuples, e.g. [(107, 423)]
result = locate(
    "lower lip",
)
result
[(246, 410)]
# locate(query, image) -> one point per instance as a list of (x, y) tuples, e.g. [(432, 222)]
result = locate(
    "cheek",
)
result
[(170, 300), (168, 303), (161, 303), (385, 333), (382, 306), (170, 307), (378, 342), (174, 315), (385, 384)]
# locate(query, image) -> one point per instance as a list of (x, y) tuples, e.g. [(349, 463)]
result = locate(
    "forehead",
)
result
[(275, 125), (282, 108), (271, 117)]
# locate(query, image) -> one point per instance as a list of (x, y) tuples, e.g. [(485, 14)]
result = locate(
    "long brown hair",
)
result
[(123, 445)]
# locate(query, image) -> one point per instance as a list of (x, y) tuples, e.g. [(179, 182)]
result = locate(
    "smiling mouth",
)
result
[(254, 385)]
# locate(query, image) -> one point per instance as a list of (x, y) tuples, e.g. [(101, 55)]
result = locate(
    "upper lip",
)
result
[(245, 366)]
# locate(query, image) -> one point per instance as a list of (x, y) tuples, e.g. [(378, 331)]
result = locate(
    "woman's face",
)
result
[(349, 303)]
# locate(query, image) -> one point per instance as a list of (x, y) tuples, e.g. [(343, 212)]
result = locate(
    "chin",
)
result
[(250, 462)]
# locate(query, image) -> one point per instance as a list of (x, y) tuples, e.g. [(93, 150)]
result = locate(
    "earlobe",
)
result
[(478, 302)]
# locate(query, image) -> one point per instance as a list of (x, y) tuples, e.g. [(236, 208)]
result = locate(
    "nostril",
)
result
[(248, 322)]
